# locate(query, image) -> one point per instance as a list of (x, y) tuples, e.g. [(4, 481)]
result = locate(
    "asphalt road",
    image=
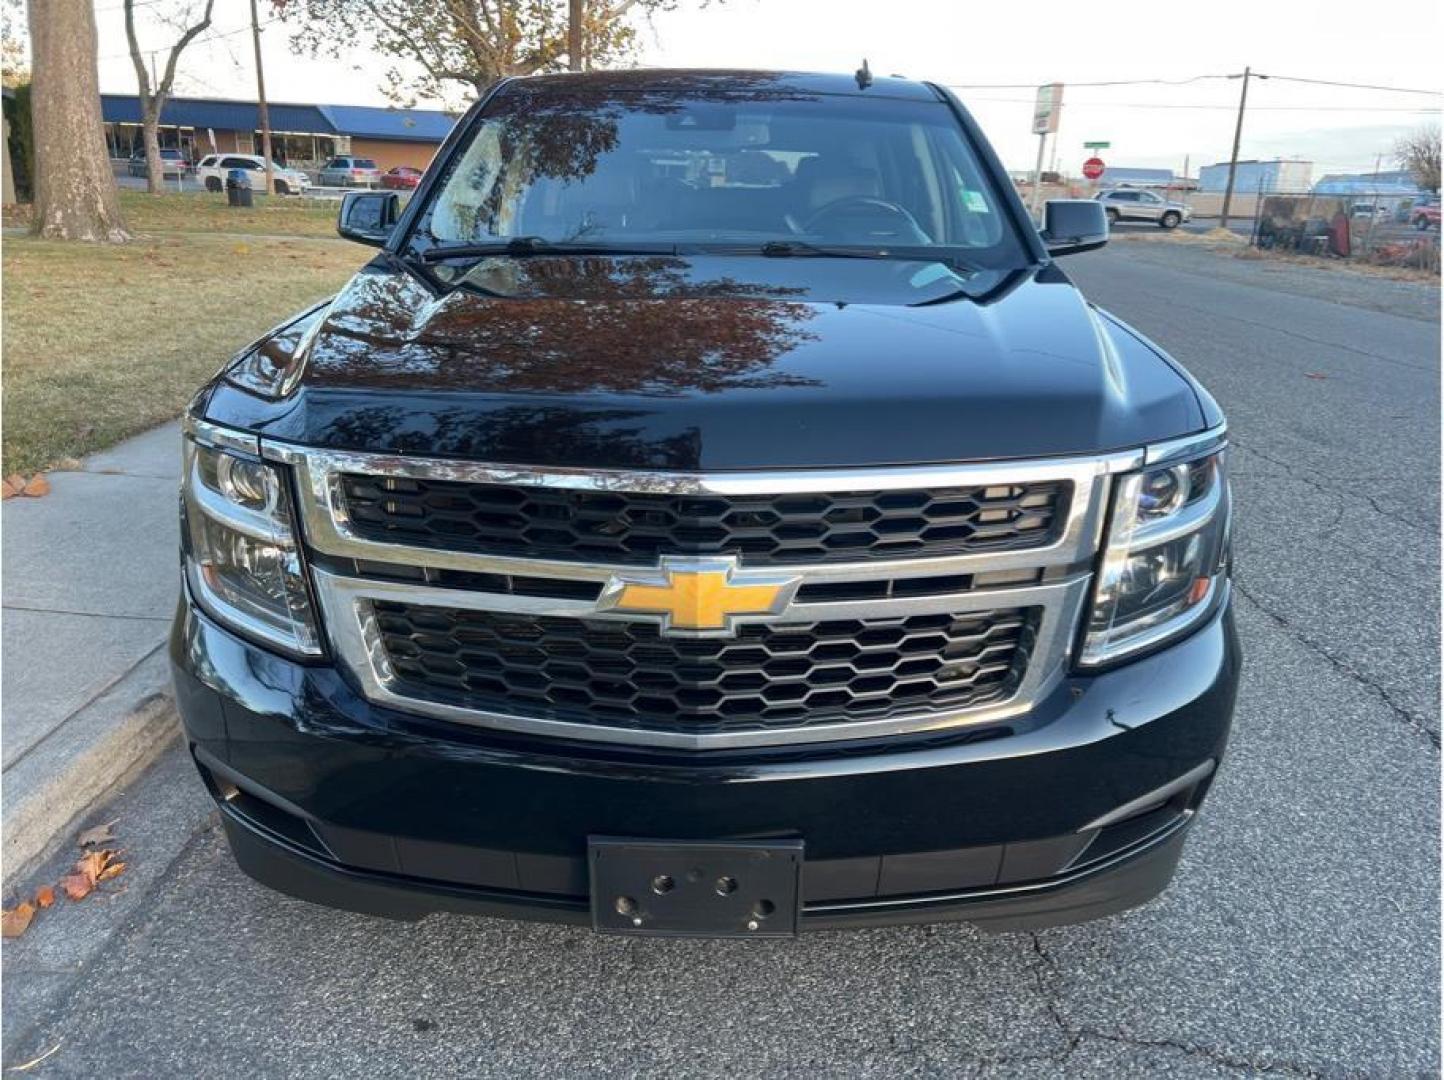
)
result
[(1300, 937)]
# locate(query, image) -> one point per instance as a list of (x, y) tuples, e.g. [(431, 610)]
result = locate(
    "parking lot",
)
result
[(1301, 936)]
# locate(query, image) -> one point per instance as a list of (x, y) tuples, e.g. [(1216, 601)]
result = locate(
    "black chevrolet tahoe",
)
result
[(712, 511)]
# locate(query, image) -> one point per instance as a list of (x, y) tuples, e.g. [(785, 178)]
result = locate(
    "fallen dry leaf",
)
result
[(44, 896), (77, 886), (15, 921), (110, 871), (92, 863), (37, 486), (97, 834)]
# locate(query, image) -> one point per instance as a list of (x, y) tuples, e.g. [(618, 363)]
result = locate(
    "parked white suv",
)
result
[(213, 168), (1131, 204)]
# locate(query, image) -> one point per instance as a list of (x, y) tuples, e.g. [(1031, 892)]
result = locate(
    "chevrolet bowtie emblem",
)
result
[(698, 597)]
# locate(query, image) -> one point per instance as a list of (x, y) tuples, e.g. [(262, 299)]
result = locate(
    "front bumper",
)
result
[(1077, 810)]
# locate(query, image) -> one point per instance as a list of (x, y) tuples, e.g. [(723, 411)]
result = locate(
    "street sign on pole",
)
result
[(1097, 145), (1093, 168), (1047, 108), (1046, 111)]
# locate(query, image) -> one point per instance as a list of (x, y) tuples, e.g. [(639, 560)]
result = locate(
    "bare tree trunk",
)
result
[(155, 90), (75, 195), (154, 168)]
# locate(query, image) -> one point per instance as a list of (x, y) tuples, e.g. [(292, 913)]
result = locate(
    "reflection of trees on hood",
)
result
[(389, 330), (529, 434)]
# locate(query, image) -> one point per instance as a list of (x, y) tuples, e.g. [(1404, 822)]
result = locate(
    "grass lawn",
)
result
[(203, 211), (103, 341)]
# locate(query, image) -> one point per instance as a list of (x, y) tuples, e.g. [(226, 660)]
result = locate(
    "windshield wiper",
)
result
[(781, 249), (806, 249), (522, 246)]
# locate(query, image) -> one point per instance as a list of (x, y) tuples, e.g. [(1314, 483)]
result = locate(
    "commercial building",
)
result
[(1124, 176), (1393, 182), (302, 136), (1256, 176)]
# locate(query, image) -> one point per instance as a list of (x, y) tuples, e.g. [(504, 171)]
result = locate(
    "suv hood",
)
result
[(718, 363)]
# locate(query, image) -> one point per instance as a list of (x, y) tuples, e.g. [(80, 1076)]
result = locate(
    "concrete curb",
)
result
[(85, 761)]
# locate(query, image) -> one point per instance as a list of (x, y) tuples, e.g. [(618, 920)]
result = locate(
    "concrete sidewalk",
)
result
[(91, 579)]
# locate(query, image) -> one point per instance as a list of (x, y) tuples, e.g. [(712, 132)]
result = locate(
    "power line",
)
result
[(204, 40), (121, 7), (1357, 86), (1194, 79), (1224, 108), (1110, 82)]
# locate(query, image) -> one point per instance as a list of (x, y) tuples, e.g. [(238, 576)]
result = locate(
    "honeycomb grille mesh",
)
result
[(627, 674), (637, 527)]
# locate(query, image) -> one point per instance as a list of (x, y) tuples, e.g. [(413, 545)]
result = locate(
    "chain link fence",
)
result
[(1383, 231)]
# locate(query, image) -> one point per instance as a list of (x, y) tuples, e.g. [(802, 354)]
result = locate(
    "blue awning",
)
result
[(357, 121), (405, 125)]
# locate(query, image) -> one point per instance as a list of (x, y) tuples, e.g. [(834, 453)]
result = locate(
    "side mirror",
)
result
[(368, 216), (1074, 225)]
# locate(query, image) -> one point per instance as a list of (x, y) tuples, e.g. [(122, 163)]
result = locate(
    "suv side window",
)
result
[(339, 163), (1148, 197), (208, 161), (1125, 196)]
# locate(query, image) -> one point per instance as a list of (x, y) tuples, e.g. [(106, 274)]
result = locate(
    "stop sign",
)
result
[(1093, 168)]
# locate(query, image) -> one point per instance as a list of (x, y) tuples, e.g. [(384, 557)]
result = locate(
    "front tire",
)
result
[(1170, 220), (213, 183), (282, 188), (1112, 216)]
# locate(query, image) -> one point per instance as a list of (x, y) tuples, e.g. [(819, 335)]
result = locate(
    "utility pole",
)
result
[(1374, 208), (1237, 136), (1038, 175), (574, 35), (264, 113)]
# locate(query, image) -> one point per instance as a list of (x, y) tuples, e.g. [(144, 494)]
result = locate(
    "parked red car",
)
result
[(403, 176)]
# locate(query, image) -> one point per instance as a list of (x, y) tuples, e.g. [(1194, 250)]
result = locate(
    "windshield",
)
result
[(648, 168)]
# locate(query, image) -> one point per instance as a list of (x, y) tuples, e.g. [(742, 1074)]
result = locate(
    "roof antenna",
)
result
[(863, 75)]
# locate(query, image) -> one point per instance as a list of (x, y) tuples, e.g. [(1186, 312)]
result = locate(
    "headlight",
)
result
[(1165, 556), (241, 558)]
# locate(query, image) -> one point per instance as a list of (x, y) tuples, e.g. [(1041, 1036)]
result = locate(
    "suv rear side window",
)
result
[(670, 167), (363, 163)]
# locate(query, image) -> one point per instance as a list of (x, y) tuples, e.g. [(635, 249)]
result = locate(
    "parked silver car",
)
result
[(350, 172), (172, 163), (1131, 204)]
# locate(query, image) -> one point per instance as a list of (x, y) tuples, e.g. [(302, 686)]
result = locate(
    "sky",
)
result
[(996, 54)]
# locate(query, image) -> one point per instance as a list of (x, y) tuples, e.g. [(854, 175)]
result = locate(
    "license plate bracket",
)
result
[(695, 888)]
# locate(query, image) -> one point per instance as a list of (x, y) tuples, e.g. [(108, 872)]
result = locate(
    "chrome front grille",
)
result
[(640, 526), (528, 638), (776, 675)]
